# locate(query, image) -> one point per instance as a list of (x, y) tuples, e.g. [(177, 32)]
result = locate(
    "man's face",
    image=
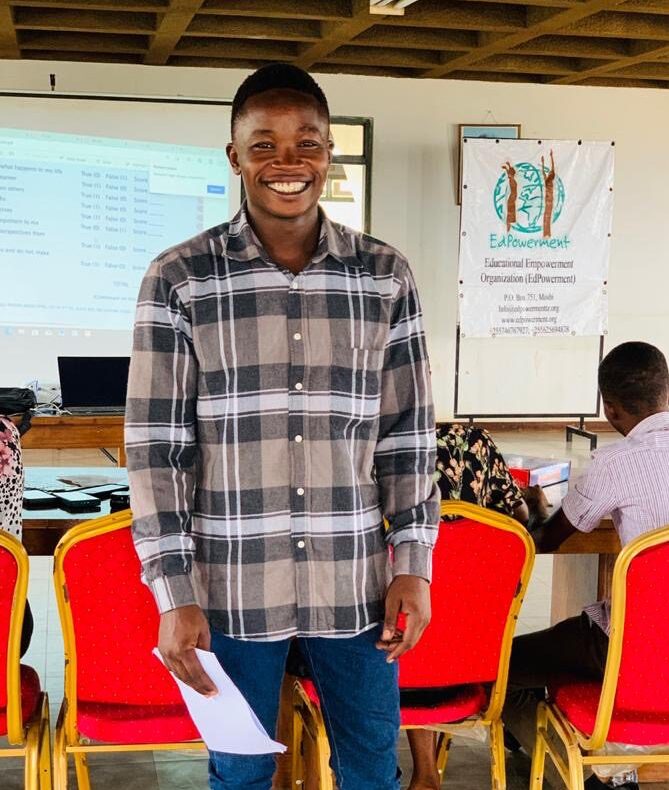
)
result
[(281, 148)]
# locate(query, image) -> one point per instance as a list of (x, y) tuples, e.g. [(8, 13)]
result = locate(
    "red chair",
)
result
[(24, 708), (481, 566), (116, 691), (631, 704)]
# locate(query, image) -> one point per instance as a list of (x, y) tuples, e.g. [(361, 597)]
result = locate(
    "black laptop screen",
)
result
[(93, 381)]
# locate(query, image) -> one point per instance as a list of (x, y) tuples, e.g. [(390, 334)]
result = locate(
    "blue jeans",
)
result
[(359, 699)]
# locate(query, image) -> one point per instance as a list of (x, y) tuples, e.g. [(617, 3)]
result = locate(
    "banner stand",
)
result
[(535, 236), (570, 430)]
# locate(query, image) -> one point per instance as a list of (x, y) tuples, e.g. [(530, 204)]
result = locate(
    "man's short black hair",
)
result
[(635, 375), (277, 76)]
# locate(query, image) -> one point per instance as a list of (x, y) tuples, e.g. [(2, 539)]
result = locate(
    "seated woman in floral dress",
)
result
[(470, 468), (11, 499)]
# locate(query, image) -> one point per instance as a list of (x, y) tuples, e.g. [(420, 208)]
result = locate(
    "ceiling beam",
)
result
[(574, 46), (620, 25), (95, 5), (368, 71), (617, 82), (334, 34), (236, 49), (625, 63), (495, 76), (402, 58), (550, 24), (457, 15), (239, 27), (9, 45), (215, 63), (332, 10), (171, 27), (85, 57), (82, 42), (646, 6), (83, 21), (527, 64), (416, 38)]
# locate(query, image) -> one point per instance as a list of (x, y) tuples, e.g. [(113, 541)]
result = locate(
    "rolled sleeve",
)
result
[(405, 454), (591, 498)]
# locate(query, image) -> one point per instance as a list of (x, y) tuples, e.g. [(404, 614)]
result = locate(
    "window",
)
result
[(347, 194)]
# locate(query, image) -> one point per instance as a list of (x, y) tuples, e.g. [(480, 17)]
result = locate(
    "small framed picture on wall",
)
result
[(492, 131)]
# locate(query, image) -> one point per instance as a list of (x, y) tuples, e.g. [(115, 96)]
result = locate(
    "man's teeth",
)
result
[(288, 187)]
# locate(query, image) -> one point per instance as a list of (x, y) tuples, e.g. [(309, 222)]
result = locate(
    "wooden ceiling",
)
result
[(587, 42)]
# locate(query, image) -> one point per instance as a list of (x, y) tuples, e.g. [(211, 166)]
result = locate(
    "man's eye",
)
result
[(309, 144), (263, 146)]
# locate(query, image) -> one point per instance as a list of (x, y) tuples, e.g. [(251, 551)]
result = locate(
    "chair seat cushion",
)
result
[(579, 699), (30, 697), (135, 723), (437, 706), (441, 706)]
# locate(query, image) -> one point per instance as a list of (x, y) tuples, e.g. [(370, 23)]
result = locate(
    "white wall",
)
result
[(415, 170)]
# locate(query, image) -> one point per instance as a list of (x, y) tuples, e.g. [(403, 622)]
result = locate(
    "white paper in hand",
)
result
[(226, 722)]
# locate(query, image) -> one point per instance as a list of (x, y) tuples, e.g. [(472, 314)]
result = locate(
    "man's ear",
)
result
[(233, 158), (612, 411)]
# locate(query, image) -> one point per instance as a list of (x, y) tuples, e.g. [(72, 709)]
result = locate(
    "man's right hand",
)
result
[(181, 631)]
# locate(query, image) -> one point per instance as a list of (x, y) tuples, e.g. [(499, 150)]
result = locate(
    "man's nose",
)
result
[(287, 157)]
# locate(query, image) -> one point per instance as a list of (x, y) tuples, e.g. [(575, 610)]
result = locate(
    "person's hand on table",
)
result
[(409, 596), (181, 631), (537, 502)]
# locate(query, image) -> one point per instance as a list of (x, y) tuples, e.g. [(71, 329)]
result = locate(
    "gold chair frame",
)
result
[(30, 740), (578, 745), (308, 724), (68, 740)]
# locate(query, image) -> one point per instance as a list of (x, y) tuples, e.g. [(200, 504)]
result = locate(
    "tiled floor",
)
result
[(468, 764)]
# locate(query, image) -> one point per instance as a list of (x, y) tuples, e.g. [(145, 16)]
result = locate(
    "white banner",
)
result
[(535, 237)]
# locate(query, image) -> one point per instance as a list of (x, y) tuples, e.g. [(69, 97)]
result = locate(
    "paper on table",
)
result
[(226, 722)]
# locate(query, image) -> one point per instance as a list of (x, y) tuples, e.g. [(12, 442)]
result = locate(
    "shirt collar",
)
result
[(334, 240), (656, 422)]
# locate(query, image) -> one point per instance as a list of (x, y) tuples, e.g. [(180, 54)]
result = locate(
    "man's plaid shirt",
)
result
[(273, 420)]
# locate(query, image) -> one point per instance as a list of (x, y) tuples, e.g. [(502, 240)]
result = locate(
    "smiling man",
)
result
[(279, 407)]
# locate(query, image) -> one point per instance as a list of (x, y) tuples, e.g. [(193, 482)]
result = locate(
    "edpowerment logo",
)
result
[(529, 199)]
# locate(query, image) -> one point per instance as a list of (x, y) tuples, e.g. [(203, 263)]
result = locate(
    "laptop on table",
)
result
[(93, 385)]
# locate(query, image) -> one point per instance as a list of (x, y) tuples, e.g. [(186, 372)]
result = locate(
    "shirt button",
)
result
[(300, 544), (297, 336), (298, 386), (298, 438), (294, 285), (300, 492)]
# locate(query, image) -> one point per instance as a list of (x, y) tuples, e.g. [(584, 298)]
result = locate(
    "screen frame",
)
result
[(340, 120)]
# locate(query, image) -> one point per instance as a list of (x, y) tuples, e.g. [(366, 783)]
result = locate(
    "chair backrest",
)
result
[(481, 565), (636, 680), (109, 618), (13, 589)]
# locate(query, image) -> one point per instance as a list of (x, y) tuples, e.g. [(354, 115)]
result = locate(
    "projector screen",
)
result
[(91, 190)]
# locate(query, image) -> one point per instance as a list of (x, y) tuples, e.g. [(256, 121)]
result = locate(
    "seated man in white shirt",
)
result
[(629, 481)]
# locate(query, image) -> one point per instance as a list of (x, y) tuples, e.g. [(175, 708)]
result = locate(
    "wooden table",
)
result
[(42, 529), (78, 432)]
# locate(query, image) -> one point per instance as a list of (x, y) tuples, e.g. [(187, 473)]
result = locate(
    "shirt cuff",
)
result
[(172, 592), (412, 559)]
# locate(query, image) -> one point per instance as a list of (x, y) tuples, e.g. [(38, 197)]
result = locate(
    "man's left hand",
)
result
[(409, 595)]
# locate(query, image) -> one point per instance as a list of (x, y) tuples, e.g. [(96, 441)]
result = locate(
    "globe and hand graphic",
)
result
[(531, 197)]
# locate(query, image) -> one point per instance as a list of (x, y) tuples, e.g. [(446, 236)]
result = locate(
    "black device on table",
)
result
[(103, 491), (120, 500), (39, 500), (76, 500)]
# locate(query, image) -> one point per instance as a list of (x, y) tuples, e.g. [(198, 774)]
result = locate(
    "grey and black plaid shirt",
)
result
[(273, 420)]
